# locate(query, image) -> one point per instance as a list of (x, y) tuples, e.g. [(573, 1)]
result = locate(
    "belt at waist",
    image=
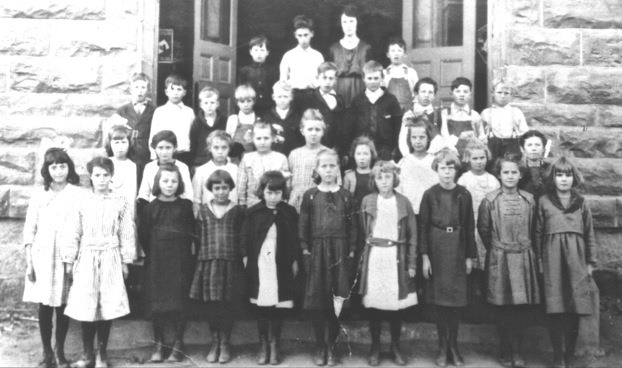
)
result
[(378, 242), (449, 229), (517, 247), (99, 242)]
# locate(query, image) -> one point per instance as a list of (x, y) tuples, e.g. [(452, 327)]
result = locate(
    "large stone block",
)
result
[(610, 115), (609, 247), (11, 230), (19, 131), (602, 47), (24, 38), (5, 201), (61, 105), (601, 175), (528, 83), (586, 143), (526, 12), (16, 166), (103, 105), (538, 46), (78, 39), (584, 85), (604, 211), (538, 115), (56, 75), (18, 201), (582, 14), (116, 73), (53, 9)]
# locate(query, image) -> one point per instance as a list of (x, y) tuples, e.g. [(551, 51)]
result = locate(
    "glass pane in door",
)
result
[(437, 23), (216, 21)]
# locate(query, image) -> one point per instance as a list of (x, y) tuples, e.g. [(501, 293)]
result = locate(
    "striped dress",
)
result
[(252, 167), (98, 239)]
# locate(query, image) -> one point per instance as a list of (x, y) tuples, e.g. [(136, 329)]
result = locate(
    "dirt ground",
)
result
[(20, 347)]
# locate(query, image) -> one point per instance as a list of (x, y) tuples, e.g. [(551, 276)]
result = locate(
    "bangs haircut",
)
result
[(418, 122), (219, 177), (326, 66), (372, 66), (244, 91), (530, 134), (140, 77), (509, 157), (323, 152), (396, 41), (312, 114), (118, 132), (282, 86), (272, 180), (426, 80), (364, 141), (384, 167), (164, 135), (218, 134), (176, 80), (474, 145), (156, 191), (57, 155), (461, 81), (259, 41), (101, 162), (565, 166), (448, 157)]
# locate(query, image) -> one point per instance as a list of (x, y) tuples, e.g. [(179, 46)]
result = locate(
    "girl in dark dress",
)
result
[(363, 154), (166, 232), (328, 236), (564, 237), (447, 245), (219, 268), (533, 146), (270, 237)]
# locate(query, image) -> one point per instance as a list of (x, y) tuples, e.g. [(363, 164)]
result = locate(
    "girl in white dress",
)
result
[(46, 283)]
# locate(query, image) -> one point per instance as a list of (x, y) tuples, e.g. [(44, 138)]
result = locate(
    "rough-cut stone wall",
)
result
[(564, 58), (64, 66)]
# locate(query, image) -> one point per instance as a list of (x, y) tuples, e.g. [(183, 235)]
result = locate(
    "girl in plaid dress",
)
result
[(166, 230), (46, 283), (218, 273), (97, 247)]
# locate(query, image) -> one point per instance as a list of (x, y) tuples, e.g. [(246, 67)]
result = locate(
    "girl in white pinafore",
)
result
[(98, 246)]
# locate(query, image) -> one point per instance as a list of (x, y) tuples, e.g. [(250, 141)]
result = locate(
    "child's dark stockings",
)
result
[(46, 314), (564, 331)]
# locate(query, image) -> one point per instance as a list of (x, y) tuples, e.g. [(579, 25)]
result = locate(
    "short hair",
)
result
[(283, 86), (101, 162), (384, 167), (218, 134), (509, 157), (396, 41), (530, 134), (236, 149), (474, 145), (258, 41), (562, 165), (273, 180), (351, 11), (119, 132), (418, 122), (156, 191), (323, 152), (425, 80), (372, 66), (312, 114), (461, 81), (326, 66), (209, 91), (364, 141), (302, 21), (164, 135), (57, 155), (176, 80), (501, 81), (245, 91), (447, 156), (140, 77), (262, 124), (217, 177)]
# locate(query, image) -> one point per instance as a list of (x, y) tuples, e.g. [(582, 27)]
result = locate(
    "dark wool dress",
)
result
[(166, 232), (327, 228), (448, 238), (533, 180), (566, 241)]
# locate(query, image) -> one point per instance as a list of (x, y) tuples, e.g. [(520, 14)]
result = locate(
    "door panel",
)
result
[(215, 35), (441, 39)]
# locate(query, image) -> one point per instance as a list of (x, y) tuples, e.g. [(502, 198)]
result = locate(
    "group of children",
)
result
[(231, 210)]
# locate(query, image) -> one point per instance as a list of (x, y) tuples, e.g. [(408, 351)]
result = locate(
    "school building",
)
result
[(64, 68)]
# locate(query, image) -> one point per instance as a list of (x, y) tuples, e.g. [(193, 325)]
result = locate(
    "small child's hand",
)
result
[(469, 266), (245, 261), (295, 268), (427, 267), (280, 139), (248, 136), (351, 255), (408, 115), (540, 269), (126, 271), (305, 252), (69, 270), (468, 134), (590, 269), (412, 272), (30, 272)]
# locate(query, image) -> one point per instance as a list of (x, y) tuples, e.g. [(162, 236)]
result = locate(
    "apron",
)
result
[(456, 127), (240, 132), (400, 88)]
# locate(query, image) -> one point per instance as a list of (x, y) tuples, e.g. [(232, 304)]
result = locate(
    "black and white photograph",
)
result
[(300, 183)]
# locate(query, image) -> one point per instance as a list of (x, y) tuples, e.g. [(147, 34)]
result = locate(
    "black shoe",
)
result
[(157, 356), (264, 352), (398, 358), (331, 358), (456, 356), (320, 356), (177, 352), (275, 356), (225, 349), (48, 360), (214, 351), (374, 355)]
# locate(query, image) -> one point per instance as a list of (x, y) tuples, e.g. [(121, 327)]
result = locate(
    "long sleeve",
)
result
[(425, 216), (198, 181), (144, 192), (412, 236), (539, 231), (287, 173), (232, 125), (396, 120), (194, 138), (484, 223), (144, 231), (402, 144), (242, 183), (241, 239), (478, 126), (304, 222), (351, 223), (519, 121), (589, 238), (127, 234), (157, 125), (185, 176), (32, 219), (70, 243), (471, 246)]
